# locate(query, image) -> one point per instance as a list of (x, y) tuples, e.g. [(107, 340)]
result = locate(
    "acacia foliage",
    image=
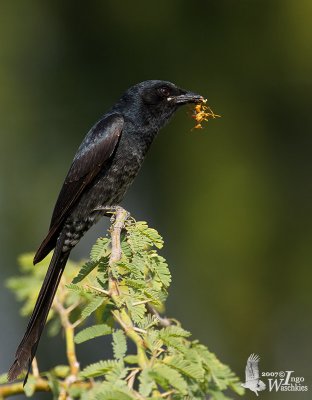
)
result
[(166, 363)]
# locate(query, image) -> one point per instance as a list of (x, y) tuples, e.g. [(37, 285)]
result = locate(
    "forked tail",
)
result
[(28, 346)]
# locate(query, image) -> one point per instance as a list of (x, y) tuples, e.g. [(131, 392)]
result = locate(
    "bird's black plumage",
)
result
[(103, 168)]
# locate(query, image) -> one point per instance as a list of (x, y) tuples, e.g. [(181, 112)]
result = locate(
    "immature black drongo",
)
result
[(104, 166)]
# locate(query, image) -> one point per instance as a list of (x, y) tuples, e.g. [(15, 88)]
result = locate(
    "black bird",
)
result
[(103, 168)]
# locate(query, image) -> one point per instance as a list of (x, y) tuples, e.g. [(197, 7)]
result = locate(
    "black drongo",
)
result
[(104, 166)]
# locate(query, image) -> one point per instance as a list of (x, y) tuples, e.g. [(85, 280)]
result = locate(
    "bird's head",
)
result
[(164, 94), (158, 100)]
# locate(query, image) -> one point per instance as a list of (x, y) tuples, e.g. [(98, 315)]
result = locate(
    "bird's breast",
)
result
[(111, 184)]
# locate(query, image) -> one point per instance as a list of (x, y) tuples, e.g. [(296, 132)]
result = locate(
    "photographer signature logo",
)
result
[(253, 381), (277, 380)]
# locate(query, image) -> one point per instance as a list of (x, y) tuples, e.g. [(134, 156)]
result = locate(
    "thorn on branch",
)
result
[(35, 368)]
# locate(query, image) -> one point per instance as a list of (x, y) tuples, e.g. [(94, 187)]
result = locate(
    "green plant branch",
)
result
[(125, 285), (121, 316), (69, 337), (121, 216), (41, 385)]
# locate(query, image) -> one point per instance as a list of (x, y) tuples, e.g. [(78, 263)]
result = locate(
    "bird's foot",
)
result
[(111, 211)]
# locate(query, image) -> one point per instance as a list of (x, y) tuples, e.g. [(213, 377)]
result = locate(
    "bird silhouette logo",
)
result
[(252, 375)]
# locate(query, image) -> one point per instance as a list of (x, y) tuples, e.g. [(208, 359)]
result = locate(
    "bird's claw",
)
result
[(111, 211)]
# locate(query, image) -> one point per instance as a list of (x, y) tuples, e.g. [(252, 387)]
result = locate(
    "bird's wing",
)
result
[(252, 369), (96, 150)]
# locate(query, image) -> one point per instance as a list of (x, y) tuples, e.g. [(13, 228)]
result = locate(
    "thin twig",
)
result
[(72, 307), (40, 385), (69, 337), (100, 290), (77, 322), (11, 389), (139, 330), (163, 395), (163, 321), (137, 303), (131, 377)]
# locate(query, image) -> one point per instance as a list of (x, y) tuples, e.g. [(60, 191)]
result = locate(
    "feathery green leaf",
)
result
[(119, 344), (92, 332)]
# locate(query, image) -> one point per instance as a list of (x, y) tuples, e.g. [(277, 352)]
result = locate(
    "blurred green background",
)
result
[(233, 201)]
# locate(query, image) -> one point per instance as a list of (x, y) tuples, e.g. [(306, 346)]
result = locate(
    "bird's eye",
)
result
[(164, 91)]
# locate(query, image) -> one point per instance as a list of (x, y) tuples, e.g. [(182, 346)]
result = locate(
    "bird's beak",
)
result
[(188, 97)]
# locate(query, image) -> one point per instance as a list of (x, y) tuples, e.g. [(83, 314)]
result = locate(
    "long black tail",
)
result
[(28, 346)]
